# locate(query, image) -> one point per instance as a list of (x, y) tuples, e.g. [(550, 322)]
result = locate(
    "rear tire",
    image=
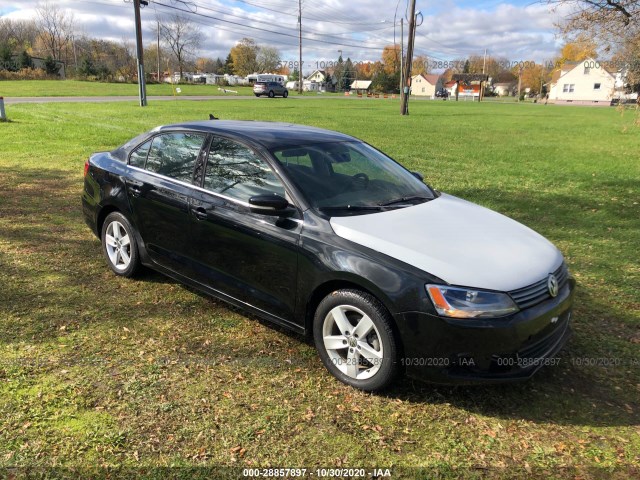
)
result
[(353, 335), (119, 245), (271, 94)]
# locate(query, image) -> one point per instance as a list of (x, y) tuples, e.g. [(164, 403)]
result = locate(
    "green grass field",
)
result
[(76, 88), (99, 371)]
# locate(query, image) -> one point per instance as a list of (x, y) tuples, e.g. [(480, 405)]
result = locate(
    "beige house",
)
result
[(582, 83), (423, 85), (360, 86)]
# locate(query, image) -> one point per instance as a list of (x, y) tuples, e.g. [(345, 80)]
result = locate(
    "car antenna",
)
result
[(213, 117)]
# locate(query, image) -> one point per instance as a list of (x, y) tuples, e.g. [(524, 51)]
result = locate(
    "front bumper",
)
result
[(454, 351)]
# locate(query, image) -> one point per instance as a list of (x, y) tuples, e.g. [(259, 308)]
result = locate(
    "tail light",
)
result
[(86, 167)]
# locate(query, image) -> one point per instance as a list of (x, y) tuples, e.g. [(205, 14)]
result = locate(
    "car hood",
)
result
[(458, 241)]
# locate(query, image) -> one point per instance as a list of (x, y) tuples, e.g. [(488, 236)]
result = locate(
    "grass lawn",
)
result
[(103, 371)]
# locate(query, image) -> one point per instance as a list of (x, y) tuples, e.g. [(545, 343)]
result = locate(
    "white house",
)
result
[(582, 83), (311, 86), (424, 85), (505, 89), (319, 76)]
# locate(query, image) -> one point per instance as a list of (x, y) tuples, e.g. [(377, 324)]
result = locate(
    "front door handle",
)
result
[(135, 190)]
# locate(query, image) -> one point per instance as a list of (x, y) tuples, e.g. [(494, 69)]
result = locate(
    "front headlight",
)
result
[(467, 303)]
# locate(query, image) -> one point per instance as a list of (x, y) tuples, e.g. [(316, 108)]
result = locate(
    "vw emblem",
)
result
[(552, 285)]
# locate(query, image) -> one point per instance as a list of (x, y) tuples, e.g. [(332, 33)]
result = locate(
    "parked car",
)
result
[(323, 234), (442, 93), (271, 89)]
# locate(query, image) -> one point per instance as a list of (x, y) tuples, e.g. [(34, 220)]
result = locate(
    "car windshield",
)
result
[(349, 178)]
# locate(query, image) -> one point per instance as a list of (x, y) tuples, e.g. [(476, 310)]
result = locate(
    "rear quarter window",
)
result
[(139, 156)]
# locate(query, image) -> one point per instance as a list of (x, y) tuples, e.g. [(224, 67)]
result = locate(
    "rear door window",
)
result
[(174, 155)]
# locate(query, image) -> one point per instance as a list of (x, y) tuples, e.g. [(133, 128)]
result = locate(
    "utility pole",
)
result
[(484, 65), (404, 104), (141, 85), (158, 51), (401, 55), (519, 81), (300, 77)]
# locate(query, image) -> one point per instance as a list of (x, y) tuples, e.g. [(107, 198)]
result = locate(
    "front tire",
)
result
[(285, 94), (354, 338), (119, 245)]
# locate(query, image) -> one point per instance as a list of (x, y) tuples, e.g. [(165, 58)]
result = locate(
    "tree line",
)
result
[(600, 26)]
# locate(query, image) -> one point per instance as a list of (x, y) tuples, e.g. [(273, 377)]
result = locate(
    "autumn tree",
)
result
[(391, 59), (420, 65), (183, 37), (244, 56), (56, 28), (205, 65), (268, 59), (613, 24), (532, 76), (366, 70), (628, 56), (577, 50), (605, 19), (151, 56), (19, 35)]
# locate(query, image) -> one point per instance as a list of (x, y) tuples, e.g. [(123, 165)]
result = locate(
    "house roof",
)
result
[(504, 84), (361, 84), (431, 78), (321, 72), (568, 66)]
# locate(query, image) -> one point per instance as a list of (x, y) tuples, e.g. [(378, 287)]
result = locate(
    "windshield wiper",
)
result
[(354, 208), (413, 198)]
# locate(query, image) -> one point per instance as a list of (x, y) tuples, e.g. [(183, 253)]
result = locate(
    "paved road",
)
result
[(12, 100)]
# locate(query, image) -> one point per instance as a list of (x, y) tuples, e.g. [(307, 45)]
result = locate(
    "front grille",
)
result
[(539, 292)]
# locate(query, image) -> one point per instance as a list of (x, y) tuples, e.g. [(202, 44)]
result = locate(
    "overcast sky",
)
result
[(451, 29)]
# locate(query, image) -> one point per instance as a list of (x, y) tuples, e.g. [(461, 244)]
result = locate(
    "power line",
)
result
[(172, 7)]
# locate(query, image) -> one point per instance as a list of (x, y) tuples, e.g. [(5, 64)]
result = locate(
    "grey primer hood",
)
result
[(458, 241)]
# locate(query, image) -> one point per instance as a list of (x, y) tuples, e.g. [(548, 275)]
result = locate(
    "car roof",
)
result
[(267, 134)]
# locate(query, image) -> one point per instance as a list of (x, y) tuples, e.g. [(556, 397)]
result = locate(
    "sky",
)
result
[(516, 30)]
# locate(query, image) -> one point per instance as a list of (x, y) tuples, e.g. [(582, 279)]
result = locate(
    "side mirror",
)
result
[(418, 175), (272, 204)]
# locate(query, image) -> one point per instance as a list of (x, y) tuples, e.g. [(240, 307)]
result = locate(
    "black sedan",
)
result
[(323, 234)]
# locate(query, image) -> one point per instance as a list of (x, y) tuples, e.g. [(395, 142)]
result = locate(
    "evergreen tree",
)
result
[(228, 65), (51, 66), (87, 68), (25, 60), (6, 58), (348, 75)]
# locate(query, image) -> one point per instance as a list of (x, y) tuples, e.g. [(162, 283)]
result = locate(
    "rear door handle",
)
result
[(200, 213)]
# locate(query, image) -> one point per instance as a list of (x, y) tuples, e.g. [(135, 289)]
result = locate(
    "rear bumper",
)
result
[(451, 351)]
